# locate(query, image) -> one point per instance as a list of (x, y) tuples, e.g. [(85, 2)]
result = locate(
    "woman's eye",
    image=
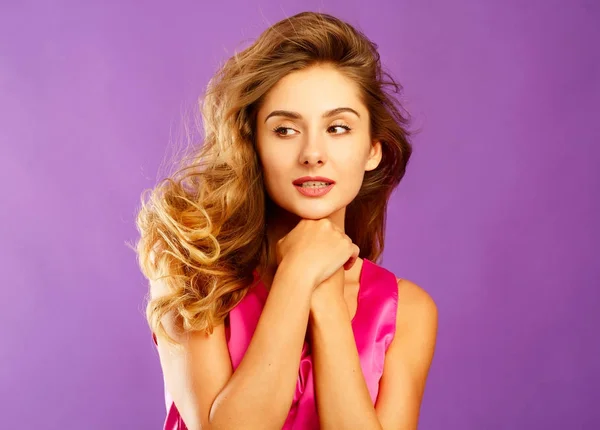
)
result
[(280, 130), (285, 131), (345, 127)]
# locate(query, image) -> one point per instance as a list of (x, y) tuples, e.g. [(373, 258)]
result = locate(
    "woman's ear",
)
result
[(375, 155)]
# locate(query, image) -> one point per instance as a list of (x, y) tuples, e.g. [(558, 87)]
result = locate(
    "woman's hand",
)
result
[(320, 248)]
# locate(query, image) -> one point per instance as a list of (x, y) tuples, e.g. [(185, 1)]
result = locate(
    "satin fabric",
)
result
[(374, 326)]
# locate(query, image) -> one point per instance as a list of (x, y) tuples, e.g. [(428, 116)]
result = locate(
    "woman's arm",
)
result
[(258, 395), (408, 359), (342, 396)]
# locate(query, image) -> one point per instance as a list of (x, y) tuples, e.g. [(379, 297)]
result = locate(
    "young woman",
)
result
[(267, 305)]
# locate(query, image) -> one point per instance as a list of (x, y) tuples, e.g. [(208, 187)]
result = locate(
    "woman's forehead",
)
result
[(312, 93)]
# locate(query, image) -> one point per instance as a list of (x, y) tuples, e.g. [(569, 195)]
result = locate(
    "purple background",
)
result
[(495, 217)]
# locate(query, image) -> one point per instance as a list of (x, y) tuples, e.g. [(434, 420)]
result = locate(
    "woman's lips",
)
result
[(314, 191), (303, 179)]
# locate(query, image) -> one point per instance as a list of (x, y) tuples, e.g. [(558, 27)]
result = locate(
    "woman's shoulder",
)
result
[(416, 324), (414, 299), (415, 304)]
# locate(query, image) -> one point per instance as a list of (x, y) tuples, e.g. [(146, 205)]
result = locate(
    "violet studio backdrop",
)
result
[(497, 217)]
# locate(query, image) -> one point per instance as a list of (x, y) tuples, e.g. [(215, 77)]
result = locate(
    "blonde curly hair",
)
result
[(203, 228)]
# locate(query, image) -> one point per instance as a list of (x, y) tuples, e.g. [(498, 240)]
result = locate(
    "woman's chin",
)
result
[(314, 213)]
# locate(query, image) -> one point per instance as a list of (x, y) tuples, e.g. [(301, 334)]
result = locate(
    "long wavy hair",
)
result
[(203, 228)]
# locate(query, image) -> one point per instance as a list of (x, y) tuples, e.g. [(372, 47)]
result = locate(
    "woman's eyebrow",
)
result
[(296, 115)]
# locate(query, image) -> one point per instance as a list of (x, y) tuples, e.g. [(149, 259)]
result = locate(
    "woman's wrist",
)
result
[(327, 305), (293, 273)]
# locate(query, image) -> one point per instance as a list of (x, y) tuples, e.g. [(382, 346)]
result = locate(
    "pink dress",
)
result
[(374, 326)]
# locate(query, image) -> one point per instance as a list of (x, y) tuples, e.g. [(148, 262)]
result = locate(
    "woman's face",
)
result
[(297, 137)]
